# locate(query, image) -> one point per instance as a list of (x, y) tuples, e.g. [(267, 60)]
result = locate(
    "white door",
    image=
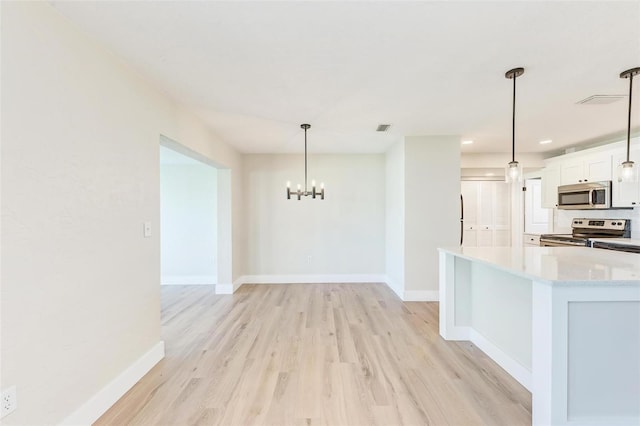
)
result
[(536, 218), (502, 214), (470, 202), (487, 212)]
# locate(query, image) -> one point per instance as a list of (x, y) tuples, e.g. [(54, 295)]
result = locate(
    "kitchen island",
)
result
[(563, 321)]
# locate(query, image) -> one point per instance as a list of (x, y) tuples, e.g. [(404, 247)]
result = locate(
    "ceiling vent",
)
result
[(601, 99), (383, 127)]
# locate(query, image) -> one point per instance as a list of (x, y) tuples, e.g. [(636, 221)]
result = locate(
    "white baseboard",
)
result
[(458, 333), (99, 403), (394, 287), (188, 280), (421, 296), (312, 279), (228, 288), (511, 366), (407, 296)]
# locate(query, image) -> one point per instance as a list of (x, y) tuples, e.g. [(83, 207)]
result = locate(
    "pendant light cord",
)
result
[(513, 123), (305, 160), (629, 119)]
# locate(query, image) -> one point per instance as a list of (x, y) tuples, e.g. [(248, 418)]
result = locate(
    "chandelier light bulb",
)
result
[(288, 184)]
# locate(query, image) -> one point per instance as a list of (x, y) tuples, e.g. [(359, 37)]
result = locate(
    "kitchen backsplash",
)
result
[(562, 218)]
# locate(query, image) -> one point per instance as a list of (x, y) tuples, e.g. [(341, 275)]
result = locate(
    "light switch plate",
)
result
[(147, 229)]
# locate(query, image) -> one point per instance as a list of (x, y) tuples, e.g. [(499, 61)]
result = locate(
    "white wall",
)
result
[(394, 217), (80, 175), (432, 209), (423, 211), (188, 215), (341, 235)]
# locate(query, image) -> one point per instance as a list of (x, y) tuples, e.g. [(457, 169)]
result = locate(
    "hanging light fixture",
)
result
[(300, 193), (513, 172), (628, 171)]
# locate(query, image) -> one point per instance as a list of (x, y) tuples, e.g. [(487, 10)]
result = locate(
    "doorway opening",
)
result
[(195, 220)]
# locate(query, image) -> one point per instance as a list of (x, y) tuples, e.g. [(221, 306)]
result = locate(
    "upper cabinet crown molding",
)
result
[(611, 149)]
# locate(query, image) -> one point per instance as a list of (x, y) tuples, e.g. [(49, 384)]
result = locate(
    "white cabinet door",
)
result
[(550, 182), (625, 194), (502, 238), (485, 237), (470, 195), (470, 238), (502, 205), (590, 168), (487, 213), (598, 167), (486, 204), (572, 172)]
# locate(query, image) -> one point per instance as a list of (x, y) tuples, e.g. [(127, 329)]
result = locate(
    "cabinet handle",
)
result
[(586, 180)]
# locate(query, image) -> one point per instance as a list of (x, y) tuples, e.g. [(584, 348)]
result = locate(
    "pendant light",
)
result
[(628, 171), (513, 172), (300, 193)]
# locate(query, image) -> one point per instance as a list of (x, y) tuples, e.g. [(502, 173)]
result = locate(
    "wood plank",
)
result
[(319, 354)]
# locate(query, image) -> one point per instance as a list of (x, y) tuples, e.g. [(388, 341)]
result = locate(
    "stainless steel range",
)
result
[(585, 229)]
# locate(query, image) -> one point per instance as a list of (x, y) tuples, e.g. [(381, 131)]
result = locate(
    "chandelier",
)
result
[(299, 192)]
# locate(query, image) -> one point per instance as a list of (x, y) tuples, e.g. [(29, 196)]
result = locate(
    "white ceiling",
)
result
[(255, 70)]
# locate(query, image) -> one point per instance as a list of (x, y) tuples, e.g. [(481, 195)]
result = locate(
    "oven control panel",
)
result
[(613, 224)]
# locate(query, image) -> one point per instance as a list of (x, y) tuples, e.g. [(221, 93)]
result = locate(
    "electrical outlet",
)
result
[(9, 401), (308, 260)]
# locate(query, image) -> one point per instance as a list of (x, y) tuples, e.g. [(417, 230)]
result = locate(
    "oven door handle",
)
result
[(558, 243)]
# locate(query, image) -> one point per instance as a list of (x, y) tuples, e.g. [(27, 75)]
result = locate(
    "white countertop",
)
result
[(559, 265)]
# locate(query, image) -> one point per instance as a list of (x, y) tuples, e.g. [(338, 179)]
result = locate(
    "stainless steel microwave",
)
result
[(585, 196)]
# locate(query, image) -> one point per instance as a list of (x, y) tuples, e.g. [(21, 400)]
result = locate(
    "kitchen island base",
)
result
[(565, 325)]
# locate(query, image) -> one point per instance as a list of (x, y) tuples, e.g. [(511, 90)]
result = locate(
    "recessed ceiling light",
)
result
[(467, 142), (546, 141)]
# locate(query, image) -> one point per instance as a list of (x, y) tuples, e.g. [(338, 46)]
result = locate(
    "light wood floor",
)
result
[(332, 354)]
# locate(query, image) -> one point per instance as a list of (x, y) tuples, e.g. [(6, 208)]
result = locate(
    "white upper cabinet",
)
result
[(591, 168), (592, 165)]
